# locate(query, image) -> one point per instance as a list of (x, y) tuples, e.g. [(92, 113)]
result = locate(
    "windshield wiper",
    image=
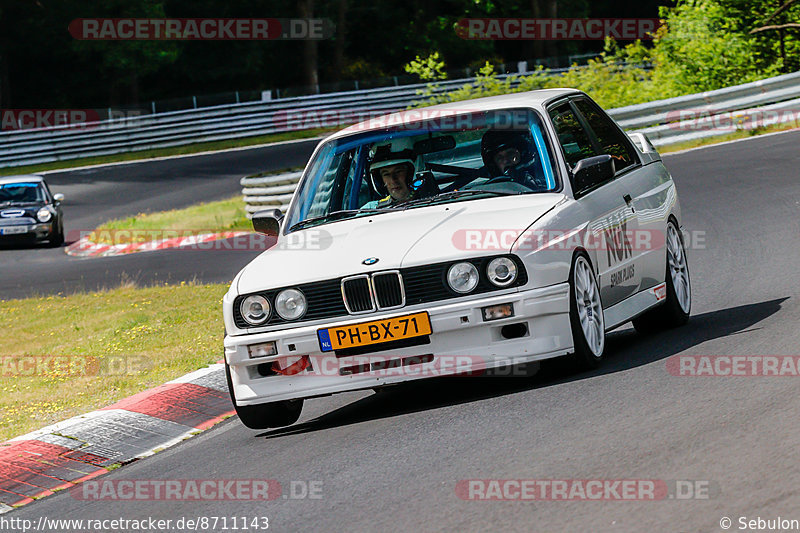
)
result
[(449, 196), (336, 215)]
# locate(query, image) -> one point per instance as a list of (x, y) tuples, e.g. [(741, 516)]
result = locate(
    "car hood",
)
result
[(396, 239), (27, 209)]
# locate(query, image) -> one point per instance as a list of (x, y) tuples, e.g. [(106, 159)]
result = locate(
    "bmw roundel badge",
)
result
[(370, 261)]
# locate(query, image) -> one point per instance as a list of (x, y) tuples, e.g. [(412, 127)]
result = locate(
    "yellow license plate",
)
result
[(374, 332)]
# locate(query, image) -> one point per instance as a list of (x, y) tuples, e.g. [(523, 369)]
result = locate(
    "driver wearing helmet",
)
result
[(510, 156), (391, 173)]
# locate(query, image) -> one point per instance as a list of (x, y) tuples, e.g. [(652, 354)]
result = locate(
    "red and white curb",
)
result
[(80, 448), (84, 247)]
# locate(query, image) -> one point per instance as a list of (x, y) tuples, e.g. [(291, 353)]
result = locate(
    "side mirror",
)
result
[(592, 171), (642, 142), (58, 197), (268, 222)]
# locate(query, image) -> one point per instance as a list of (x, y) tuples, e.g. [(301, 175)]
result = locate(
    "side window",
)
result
[(610, 139), (571, 135)]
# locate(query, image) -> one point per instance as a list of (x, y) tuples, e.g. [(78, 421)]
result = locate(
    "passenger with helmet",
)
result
[(391, 171), (510, 156)]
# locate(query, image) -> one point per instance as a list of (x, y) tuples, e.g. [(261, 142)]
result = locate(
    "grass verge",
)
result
[(210, 217), (92, 349), (163, 152)]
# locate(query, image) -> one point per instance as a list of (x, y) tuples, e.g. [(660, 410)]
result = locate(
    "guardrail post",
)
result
[(194, 101), (153, 107)]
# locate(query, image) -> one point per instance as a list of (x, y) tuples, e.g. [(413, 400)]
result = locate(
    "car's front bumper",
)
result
[(461, 341), (25, 231)]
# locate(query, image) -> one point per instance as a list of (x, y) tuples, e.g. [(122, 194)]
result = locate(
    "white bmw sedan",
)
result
[(455, 240)]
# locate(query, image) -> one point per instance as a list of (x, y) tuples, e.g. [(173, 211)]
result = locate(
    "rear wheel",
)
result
[(265, 415), (586, 314), (678, 303)]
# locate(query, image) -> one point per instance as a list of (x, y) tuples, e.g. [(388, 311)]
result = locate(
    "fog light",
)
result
[(514, 331), (496, 312), (262, 350)]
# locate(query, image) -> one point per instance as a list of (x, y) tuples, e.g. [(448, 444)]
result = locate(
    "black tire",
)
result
[(265, 415), (584, 356), (57, 239), (669, 314)]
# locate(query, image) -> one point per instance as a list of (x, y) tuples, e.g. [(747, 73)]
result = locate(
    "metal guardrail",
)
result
[(269, 192), (659, 120), (690, 117), (177, 128), (223, 122)]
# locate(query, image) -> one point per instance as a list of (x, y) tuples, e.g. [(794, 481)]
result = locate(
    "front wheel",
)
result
[(586, 314), (265, 415), (675, 309), (57, 237)]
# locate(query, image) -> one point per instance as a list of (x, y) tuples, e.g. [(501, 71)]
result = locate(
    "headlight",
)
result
[(255, 309), (44, 215), (290, 304), (462, 277), (502, 271)]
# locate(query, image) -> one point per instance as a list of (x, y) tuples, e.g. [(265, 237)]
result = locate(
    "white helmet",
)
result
[(386, 154)]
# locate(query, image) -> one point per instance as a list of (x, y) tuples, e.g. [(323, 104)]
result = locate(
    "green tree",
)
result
[(704, 46), (430, 68), (126, 62), (775, 25)]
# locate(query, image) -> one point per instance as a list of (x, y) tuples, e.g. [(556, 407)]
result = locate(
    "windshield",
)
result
[(21, 193), (448, 158)]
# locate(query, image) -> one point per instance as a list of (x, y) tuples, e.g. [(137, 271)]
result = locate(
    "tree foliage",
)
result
[(703, 45), (428, 68), (706, 44)]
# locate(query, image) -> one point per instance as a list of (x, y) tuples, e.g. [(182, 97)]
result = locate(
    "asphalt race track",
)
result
[(95, 195), (391, 461)]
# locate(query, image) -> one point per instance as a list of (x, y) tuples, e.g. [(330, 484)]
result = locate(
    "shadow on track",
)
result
[(28, 244), (624, 350)]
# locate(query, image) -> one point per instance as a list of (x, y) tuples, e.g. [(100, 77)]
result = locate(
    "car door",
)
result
[(648, 190), (611, 216)]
